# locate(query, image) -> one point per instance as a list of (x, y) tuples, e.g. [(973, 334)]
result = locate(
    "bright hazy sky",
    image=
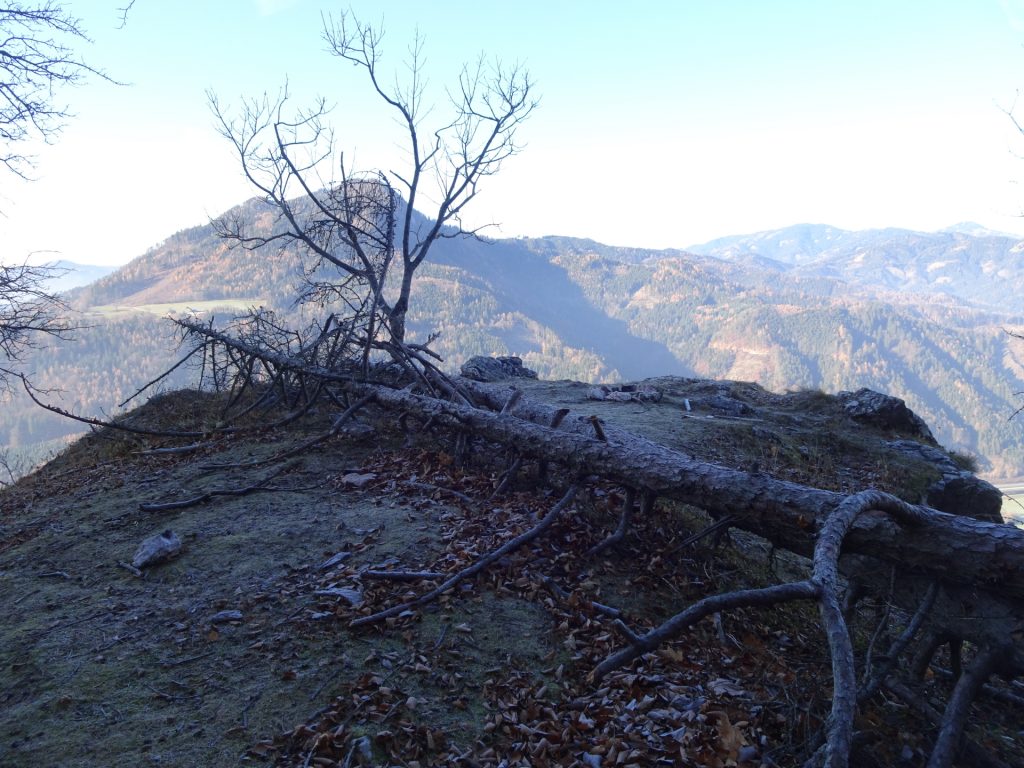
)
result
[(662, 123)]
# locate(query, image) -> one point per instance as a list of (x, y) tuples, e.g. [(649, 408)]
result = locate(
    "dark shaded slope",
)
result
[(529, 283)]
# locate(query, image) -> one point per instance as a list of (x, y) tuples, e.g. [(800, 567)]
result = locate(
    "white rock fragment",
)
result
[(157, 549), (352, 596), (358, 480)]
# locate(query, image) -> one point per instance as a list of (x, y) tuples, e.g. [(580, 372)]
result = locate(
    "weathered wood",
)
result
[(953, 549), (979, 564)]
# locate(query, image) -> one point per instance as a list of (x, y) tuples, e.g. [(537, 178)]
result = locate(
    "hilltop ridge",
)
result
[(930, 327), (240, 646)]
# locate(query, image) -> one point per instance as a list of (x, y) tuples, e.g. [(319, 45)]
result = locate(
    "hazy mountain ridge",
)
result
[(579, 309), (984, 269)]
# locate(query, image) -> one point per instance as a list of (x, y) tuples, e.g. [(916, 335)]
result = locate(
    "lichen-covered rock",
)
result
[(968, 495), (488, 369), (958, 491), (884, 411), (725, 404)]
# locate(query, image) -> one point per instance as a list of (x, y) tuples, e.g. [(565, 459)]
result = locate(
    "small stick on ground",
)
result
[(203, 497), (510, 476), (339, 422), (510, 546), (440, 488), (715, 527), (129, 567)]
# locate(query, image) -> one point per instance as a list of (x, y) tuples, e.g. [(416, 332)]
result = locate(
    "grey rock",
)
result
[(884, 411), (928, 453), (157, 549), (488, 369), (967, 495), (625, 393), (725, 404), (957, 492)]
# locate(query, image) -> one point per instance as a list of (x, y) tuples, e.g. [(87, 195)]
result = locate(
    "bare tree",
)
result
[(351, 226), (36, 59), (29, 312)]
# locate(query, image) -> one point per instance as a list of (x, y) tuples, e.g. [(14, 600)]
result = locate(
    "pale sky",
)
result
[(661, 124)]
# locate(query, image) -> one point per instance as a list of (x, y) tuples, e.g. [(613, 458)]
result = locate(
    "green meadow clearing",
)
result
[(179, 307)]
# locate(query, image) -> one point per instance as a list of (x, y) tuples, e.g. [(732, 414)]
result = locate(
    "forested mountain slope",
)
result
[(809, 307)]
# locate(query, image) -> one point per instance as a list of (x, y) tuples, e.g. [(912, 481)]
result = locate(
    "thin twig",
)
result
[(479, 565)]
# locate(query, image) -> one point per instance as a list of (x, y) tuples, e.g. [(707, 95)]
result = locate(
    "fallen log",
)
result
[(954, 550), (978, 566)]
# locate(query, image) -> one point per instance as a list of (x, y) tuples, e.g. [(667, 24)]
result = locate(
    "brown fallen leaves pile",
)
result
[(749, 689)]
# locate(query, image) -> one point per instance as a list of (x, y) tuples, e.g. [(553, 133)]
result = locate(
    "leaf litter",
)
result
[(240, 648)]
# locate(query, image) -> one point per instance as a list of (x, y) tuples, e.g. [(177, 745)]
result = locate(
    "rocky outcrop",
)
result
[(489, 369), (723, 403), (625, 393), (958, 491), (885, 412)]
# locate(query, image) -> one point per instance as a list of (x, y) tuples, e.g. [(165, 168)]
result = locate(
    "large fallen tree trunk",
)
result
[(979, 564), (965, 575), (955, 550)]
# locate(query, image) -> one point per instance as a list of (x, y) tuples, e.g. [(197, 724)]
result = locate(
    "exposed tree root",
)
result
[(262, 485), (510, 546), (972, 754), (675, 626), (823, 586), (955, 717), (625, 518), (899, 646), (990, 691)]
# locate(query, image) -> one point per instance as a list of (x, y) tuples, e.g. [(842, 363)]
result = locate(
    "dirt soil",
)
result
[(239, 650)]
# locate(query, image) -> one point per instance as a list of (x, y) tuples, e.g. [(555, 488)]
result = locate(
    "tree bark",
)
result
[(980, 564)]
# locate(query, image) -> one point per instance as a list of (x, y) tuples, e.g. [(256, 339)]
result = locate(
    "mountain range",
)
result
[(923, 316)]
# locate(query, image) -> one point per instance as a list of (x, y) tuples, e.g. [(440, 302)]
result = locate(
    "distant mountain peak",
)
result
[(974, 229)]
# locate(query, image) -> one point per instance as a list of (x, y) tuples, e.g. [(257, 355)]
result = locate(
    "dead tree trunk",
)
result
[(978, 566), (954, 550)]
